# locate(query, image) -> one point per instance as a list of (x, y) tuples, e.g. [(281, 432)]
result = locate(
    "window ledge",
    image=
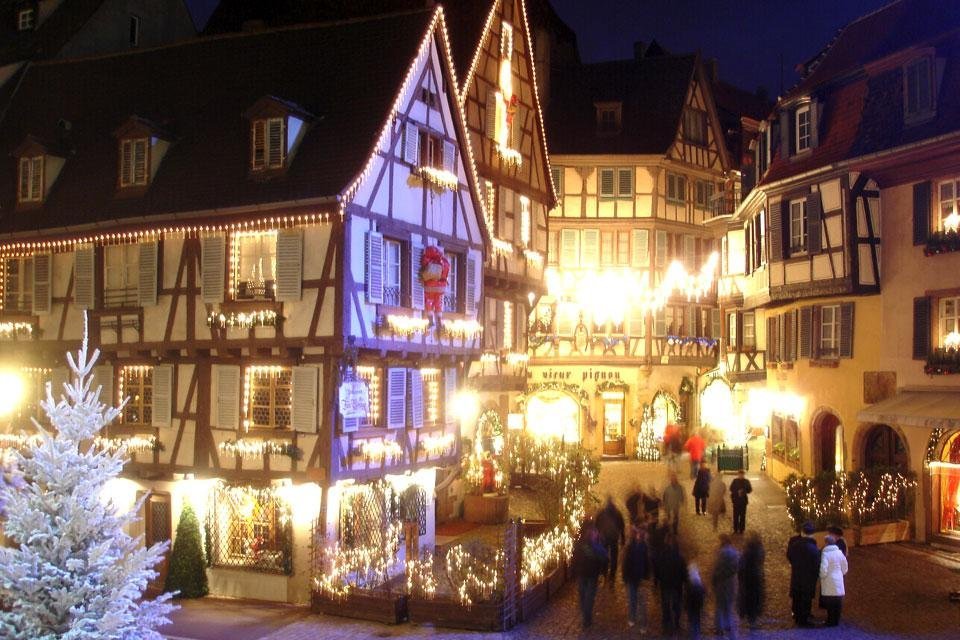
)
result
[(825, 363), (251, 305), (942, 242), (919, 118)]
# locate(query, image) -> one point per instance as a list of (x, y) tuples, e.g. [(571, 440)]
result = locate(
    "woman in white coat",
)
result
[(833, 566)]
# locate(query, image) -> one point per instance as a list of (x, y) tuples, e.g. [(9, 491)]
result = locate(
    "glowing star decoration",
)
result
[(952, 222), (952, 340)]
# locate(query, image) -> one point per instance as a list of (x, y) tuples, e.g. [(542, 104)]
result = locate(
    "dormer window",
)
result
[(133, 162), (276, 128), (608, 117), (918, 90), (141, 147), (31, 179), (803, 128), (268, 144), (432, 158), (26, 19)]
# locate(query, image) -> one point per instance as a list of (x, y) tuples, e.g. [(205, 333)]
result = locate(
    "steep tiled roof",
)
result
[(651, 90), (340, 73), (49, 38)]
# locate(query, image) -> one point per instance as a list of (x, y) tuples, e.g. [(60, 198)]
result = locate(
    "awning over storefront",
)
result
[(931, 409)]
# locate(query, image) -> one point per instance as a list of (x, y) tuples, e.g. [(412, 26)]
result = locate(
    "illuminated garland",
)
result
[(407, 326), (363, 567), (439, 178), (380, 449), (514, 358), (257, 448), (435, 445), (243, 320), (465, 329), (15, 330), (709, 343), (533, 256), (133, 444), (861, 496), (501, 247), (509, 157), (474, 578)]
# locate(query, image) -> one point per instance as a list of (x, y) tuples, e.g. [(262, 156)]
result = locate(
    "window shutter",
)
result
[(778, 216), (416, 398), (815, 331), (416, 284), (259, 145), (491, 114), (689, 252), (83, 276), (25, 179), (213, 264), (625, 182), (162, 395), (147, 277), (275, 141), (660, 323), (103, 378), (846, 330), (814, 124), (449, 392), (449, 157), (782, 354), (921, 212), (569, 249), (289, 264), (396, 398), (304, 410), (921, 328), (411, 144), (814, 212), (606, 183), (470, 304), (139, 161), (715, 323), (661, 249), (225, 404), (126, 162), (374, 267), (790, 335), (771, 339), (786, 133), (641, 248), (590, 256), (806, 317), (36, 178), (42, 282), (516, 129)]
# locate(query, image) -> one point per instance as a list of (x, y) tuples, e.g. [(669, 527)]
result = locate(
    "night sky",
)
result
[(748, 37)]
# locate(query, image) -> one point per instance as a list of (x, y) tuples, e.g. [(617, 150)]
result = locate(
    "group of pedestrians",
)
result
[(808, 564)]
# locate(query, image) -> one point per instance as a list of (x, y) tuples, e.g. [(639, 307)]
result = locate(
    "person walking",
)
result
[(693, 600), (837, 534), (670, 572), (804, 560), (717, 499), (651, 504), (612, 531), (725, 586), (589, 563), (634, 504), (833, 566), (739, 489), (636, 571), (695, 446), (673, 501), (751, 579), (701, 488)]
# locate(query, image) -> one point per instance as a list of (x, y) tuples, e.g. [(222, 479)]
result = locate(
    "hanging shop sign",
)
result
[(354, 399)]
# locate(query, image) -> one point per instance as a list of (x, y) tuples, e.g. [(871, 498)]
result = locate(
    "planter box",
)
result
[(484, 616), (385, 608), (896, 531), (493, 509), (613, 447), (556, 580), (534, 599)]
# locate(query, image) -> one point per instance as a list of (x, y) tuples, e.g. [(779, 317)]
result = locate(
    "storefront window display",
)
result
[(948, 468)]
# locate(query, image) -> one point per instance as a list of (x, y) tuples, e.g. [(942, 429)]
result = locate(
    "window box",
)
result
[(942, 242), (942, 362), (385, 608), (480, 616), (896, 531)]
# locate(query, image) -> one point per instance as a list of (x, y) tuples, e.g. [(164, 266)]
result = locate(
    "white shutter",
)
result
[(606, 183), (661, 249), (590, 256), (83, 276), (411, 144), (140, 161), (491, 114), (516, 129), (103, 378), (42, 282), (471, 283), (275, 142), (641, 248), (416, 284), (416, 398), (36, 179), (396, 398), (289, 264), (449, 157), (126, 162), (25, 167), (258, 143), (162, 395), (374, 278), (147, 281), (213, 263), (449, 391), (303, 414), (569, 248), (225, 403)]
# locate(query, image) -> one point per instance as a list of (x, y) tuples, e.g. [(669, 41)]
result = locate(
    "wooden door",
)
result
[(158, 526), (613, 434)]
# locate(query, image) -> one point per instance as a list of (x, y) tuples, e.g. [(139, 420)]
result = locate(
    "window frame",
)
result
[(269, 161), (695, 134), (35, 165), (954, 199), (398, 271), (133, 33), (129, 292), (25, 284), (26, 19), (921, 112), (748, 322), (803, 134), (132, 181), (800, 246), (828, 347), (944, 319), (270, 285), (613, 183), (137, 401), (273, 406), (453, 298), (676, 188)]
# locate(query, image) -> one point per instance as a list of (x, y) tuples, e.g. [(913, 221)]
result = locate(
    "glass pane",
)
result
[(946, 191)]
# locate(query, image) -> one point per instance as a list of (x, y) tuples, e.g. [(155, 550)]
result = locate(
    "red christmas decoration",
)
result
[(434, 272)]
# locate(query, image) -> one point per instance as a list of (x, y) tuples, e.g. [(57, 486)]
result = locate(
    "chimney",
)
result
[(639, 49)]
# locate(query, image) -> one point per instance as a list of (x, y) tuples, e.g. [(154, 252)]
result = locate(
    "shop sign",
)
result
[(354, 399)]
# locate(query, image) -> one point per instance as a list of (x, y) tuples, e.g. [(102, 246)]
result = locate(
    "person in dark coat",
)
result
[(693, 599), (651, 504), (701, 488), (636, 571), (612, 531), (634, 504), (589, 562), (804, 557), (670, 572), (837, 534), (739, 488), (751, 579), (724, 581)]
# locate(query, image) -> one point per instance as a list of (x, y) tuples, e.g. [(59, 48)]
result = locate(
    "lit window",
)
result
[(798, 226), (803, 128), (268, 144), (133, 162), (31, 179), (392, 252), (121, 275), (749, 329), (950, 204), (372, 376), (676, 188), (525, 220), (949, 319), (18, 285), (136, 384), (431, 384), (918, 89), (507, 325), (829, 330), (247, 527), (268, 393), (256, 263), (450, 295), (26, 19)]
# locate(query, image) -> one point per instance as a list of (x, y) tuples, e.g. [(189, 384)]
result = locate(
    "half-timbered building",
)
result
[(867, 141), (248, 249), (639, 164)]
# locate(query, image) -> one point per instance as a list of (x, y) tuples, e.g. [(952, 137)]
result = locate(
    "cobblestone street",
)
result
[(893, 591)]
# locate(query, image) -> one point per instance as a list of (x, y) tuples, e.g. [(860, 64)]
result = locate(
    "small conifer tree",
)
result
[(187, 566)]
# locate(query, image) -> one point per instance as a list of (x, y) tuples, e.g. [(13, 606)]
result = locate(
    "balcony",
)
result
[(746, 366), (725, 203)]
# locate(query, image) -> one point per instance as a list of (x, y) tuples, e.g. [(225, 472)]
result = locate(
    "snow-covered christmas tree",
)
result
[(73, 571)]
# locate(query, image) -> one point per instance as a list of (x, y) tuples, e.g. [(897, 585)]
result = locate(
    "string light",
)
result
[(510, 157), (435, 445), (380, 450), (372, 377), (242, 319), (250, 373), (133, 444), (439, 178), (952, 222), (515, 358), (257, 448), (20, 441), (14, 330), (432, 378), (501, 247), (532, 256), (407, 326), (952, 340), (465, 329)]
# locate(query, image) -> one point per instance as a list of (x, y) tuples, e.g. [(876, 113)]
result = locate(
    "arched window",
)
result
[(884, 448)]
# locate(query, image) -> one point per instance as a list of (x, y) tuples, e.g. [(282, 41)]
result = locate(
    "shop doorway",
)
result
[(828, 443), (613, 423)]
